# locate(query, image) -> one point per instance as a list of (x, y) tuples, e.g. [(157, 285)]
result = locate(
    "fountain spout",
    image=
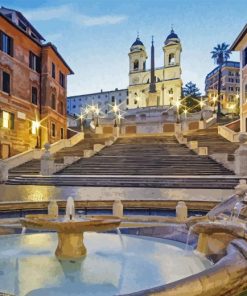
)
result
[(70, 209)]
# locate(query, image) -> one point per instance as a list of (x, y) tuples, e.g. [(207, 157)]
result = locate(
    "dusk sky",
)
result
[(94, 36)]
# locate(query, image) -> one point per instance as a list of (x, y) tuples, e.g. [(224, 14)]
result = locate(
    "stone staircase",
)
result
[(154, 162), (33, 167), (211, 139), (146, 156)]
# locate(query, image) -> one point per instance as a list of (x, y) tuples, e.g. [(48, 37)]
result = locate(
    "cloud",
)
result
[(68, 13)]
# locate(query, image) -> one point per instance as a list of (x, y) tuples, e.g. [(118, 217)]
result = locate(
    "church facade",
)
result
[(167, 79)]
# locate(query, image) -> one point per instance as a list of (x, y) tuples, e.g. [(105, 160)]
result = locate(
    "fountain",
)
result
[(127, 265), (70, 229)]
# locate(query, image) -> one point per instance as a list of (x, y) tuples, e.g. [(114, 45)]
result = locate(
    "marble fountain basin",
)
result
[(70, 231)]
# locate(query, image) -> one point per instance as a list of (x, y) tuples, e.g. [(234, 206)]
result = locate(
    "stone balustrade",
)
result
[(88, 153), (193, 145), (98, 147), (228, 133), (202, 151)]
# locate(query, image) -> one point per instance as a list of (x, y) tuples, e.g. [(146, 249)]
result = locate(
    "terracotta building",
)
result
[(240, 44), (230, 86), (33, 87)]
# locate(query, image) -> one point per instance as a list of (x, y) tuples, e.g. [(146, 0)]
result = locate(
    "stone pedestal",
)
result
[(241, 156), (53, 208), (98, 147), (88, 153), (99, 130), (202, 124), (152, 99), (3, 171), (241, 188), (70, 245), (116, 131), (185, 126), (178, 128), (181, 211), (117, 208), (47, 162), (193, 145)]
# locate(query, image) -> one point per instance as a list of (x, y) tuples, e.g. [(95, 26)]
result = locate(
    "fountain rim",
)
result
[(48, 222)]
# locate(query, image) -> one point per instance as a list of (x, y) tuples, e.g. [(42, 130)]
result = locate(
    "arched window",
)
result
[(144, 65), (136, 65), (171, 59)]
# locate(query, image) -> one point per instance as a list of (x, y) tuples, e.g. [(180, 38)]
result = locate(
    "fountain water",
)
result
[(23, 230), (70, 209), (188, 238), (120, 237)]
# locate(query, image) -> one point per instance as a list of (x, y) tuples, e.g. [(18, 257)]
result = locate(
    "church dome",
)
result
[(172, 37), (137, 45), (137, 42)]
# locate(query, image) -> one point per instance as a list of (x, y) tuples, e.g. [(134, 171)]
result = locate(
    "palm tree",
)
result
[(220, 54)]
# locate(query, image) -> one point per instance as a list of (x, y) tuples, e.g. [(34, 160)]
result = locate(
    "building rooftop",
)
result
[(97, 93), (230, 64), (239, 38), (8, 13)]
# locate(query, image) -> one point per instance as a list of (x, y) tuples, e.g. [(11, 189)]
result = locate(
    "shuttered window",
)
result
[(6, 82), (34, 62), (61, 79), (53, 70), (34, 95), (6, 43)]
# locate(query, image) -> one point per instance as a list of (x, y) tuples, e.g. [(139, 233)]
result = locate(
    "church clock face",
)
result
[(135, 80)]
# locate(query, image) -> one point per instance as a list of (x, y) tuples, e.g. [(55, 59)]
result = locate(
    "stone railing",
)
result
[(55, 147), (23, 157), (228, 134), (210, 121), (26, 156)]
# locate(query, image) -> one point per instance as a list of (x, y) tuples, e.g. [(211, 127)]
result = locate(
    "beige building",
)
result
[(230, 80), (240, 44), (168, 77)]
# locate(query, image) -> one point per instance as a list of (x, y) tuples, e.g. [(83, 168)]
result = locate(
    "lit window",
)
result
[(5, 119)]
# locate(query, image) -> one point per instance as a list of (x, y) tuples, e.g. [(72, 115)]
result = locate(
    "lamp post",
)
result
[(97, 111), (201, 105), (232, 107), (178, 103), (37, 127), (214, 101)]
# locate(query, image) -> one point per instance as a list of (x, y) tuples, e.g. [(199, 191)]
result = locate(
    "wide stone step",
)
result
[(208, 183)]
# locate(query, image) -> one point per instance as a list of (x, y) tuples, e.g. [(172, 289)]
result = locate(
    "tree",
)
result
[(220, 54), (191, 97)]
